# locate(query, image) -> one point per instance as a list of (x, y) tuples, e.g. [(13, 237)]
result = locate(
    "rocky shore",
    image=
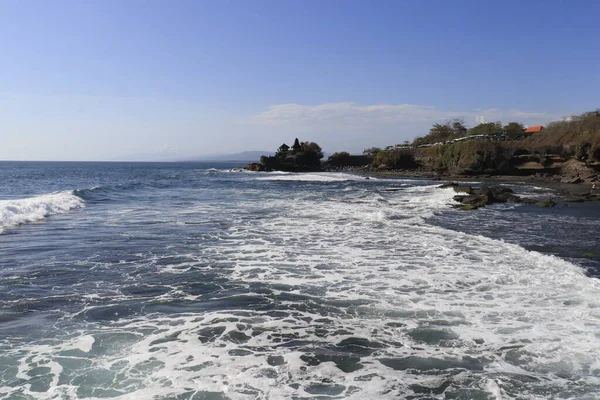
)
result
[(491, 192), (572, 184), (473, 198)]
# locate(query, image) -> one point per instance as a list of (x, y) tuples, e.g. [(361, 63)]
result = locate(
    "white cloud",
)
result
[(348, 115)]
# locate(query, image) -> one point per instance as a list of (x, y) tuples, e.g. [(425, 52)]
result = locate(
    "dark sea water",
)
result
[(189, 281)]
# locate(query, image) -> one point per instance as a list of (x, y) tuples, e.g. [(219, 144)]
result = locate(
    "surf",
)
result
[(22, 211)]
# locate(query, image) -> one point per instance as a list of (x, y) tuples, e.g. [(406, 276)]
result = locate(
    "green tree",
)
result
[(311, 147), (339, 154), (513, 129), (487, 128), (311, 152), (371, 152), (419, 140), (458, 127), (440, 132), (451, 129), (339, 158)]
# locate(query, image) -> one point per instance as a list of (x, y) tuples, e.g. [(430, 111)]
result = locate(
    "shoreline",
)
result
[(563, 190)]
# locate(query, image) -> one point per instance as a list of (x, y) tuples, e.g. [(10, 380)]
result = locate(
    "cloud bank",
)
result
[(349, 115)]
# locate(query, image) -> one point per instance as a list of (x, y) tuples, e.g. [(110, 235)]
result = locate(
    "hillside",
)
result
[(567, 149)]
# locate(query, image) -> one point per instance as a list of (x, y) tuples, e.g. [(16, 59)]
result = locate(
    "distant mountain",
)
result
[(250, 156)]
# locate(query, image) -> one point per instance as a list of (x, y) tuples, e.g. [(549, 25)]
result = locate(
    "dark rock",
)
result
[(574, 199), (256, 167), (478, 199), (545, 203), (497, 194), (481, 197)]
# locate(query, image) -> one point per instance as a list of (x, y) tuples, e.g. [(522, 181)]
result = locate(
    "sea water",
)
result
[(198, 281)]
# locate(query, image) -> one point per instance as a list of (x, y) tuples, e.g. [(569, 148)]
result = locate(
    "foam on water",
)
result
[(347, 295), (314, 177), (21, 211)]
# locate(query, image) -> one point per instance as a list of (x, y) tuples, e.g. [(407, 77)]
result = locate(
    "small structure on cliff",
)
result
[(533, 129), (301, 157), (283, 149)]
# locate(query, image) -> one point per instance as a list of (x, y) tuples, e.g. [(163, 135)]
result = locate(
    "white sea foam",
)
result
[(350, 265), (21, 211), (316, 177)]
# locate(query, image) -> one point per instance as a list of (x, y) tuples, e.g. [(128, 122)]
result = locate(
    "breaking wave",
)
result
[(21, 211), (314, 177)]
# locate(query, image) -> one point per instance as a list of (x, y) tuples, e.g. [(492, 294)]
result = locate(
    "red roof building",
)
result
[(534, 129)]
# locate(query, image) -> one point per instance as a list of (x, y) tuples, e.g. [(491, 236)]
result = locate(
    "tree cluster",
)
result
[(450, 129), (302, 156), (577, 135), (455, 128)]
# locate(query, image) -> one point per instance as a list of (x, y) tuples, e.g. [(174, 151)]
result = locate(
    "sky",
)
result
[(157, 80)]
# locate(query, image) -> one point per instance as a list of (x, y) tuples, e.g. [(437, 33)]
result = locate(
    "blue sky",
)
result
[(103, 80)]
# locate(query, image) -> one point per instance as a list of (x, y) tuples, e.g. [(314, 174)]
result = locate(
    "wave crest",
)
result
[(20, 211)]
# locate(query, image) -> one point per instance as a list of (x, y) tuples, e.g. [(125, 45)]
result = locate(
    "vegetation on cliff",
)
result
[(494, 148), (454, 129), (451, 129), (469, 158), (395, 159), (302, 156), (577, 136), (570, 147), (345, 160)]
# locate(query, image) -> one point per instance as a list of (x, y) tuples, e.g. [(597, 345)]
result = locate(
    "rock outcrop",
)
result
[(473, 198), (301, 157), (257, 167)]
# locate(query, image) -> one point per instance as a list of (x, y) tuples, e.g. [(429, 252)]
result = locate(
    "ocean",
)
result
[(198, 281)]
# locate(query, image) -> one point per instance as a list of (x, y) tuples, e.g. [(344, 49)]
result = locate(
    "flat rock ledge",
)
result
[(473, 198), (580, 198)]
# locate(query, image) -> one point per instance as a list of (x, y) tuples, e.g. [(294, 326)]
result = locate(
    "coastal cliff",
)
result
[(565, 151)]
